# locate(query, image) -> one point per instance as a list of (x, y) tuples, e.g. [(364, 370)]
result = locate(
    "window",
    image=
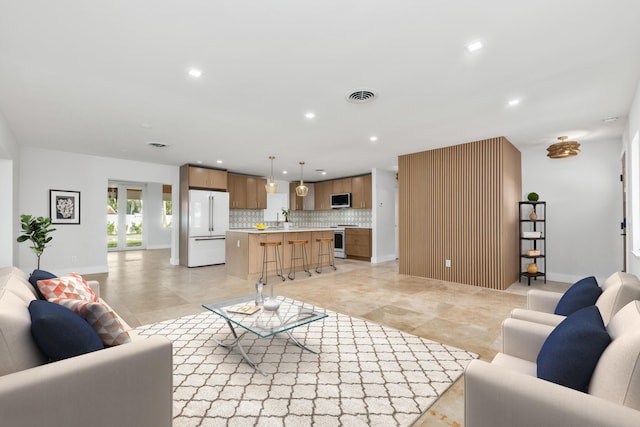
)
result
[(167, 207)]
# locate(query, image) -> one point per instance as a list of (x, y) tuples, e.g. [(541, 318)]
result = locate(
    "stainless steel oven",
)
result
[(339, 243)]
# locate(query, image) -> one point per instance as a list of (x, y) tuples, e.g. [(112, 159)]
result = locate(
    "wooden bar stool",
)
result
[(325, 250), (266, 261), (302, 256)]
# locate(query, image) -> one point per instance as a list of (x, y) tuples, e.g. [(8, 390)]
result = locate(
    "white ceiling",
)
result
[(106, 77)]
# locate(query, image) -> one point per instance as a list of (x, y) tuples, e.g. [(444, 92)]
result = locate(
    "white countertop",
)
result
[(279, 230)]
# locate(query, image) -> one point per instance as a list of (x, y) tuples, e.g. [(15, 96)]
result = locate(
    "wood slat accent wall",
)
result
[(460, 203)]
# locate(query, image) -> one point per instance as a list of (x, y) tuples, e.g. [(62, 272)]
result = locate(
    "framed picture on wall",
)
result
[(64, 207)]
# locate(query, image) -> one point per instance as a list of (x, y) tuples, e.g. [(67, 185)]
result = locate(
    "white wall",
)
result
[(385, 187), (633, 128), (156, 235), (85, 244), (584, 203), (9, 223)]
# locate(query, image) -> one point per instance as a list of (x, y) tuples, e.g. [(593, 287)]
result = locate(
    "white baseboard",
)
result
[(383, 258)]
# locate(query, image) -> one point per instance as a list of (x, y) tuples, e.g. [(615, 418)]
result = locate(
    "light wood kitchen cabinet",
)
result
[(237, 191), (361, 193), (358, 243), (323, 192), (247, 192), (256, 193), (342, 185), (295, 203), (205, 178)]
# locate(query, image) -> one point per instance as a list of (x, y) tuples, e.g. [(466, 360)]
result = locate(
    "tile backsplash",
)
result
[(246, 218)]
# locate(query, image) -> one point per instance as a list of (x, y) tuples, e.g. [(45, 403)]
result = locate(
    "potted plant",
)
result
[(285, 214), (37, 230)]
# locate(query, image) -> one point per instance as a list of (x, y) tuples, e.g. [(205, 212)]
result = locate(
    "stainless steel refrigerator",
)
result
[(208, 224)]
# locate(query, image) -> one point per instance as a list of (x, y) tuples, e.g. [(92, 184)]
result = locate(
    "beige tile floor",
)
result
[(144, 288)]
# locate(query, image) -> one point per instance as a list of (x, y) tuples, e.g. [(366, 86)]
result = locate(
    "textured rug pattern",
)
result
[(364, 375)]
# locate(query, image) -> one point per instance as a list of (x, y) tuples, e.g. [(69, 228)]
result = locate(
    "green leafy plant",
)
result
[(37, 231), (135, 228), (286, 213), (111, 228), (533, 197)]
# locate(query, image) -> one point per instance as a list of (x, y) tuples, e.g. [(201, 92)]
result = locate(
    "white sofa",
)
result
[(125, 385), (617, 291), (507, 392)]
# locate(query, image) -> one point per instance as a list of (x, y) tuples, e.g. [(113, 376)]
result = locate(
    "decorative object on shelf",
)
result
[(64, 207), (532, 234), (533, 197), (37, 230), (271, 187), (563, 149), (532, 268), (533, 215), (532, 252), (301, 190)]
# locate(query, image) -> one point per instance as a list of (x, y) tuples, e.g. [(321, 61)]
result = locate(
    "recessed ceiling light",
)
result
[(610, 119), (514, 102), (472, 47), (194, 72), (373, 138), (199, 162), (219, 161), (284, 172), (309, 115)]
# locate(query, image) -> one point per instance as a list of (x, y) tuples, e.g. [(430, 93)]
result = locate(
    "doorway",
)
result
[(125, 219), (623, 224)]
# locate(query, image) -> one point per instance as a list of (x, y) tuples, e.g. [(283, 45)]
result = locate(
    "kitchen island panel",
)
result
[(244, 253)]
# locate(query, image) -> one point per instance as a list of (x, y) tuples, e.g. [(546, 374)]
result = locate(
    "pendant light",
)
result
[(301, 190), (563, 149), (271, 187)]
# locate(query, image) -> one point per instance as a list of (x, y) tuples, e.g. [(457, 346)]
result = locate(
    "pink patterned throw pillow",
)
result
[(100, 317), (71, 286)]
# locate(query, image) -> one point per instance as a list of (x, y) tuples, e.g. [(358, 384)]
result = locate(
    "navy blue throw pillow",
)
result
[(60, 333), (572, 350), (583, 293), (40, 275)]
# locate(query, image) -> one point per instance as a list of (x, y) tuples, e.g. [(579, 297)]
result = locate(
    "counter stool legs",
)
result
[(302, 244), (275, 260), (325, 250)]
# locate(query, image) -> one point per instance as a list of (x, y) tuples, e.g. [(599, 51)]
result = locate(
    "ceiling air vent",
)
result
[(157, 144), (361, 96)]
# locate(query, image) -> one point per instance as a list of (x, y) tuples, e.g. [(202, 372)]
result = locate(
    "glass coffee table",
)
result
[(264, 323)]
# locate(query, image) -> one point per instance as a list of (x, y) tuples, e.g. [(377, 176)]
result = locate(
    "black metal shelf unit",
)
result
[(532, 218)]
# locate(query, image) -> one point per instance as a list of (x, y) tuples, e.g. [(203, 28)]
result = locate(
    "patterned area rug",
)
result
[(364, 374)]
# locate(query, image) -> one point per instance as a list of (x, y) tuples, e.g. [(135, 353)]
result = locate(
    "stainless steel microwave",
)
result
[(341, 200)]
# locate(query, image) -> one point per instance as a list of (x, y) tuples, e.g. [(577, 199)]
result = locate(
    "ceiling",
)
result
[(106, 78)]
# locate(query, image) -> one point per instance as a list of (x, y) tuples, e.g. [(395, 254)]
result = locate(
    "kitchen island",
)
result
[(244, 253)]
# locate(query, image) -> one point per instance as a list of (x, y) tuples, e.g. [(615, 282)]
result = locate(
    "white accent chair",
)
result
[(507, 392), (617, 291)]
